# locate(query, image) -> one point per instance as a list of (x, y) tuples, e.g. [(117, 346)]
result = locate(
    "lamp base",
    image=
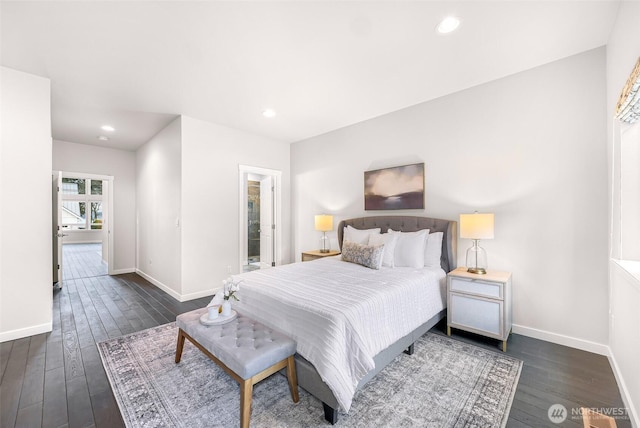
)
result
[(476, 259), (325, 246)]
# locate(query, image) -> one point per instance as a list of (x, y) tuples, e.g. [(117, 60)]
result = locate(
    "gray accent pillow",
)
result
[(366, 255)]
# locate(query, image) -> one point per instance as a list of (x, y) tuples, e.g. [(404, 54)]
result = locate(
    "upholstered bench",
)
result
[(248, 351)]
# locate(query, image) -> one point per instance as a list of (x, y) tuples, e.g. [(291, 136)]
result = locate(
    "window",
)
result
[(629, 195), (76, 200), (96, 215), (73, 186), (96, 187), (625, 244)]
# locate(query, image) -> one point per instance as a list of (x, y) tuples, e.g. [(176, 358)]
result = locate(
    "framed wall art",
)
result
[(396, 188)]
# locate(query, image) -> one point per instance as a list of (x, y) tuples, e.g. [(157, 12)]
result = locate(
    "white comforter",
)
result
[(342, 314)]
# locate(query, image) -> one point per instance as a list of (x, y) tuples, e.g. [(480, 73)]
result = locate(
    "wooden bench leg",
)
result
[(180, 345), (246, 391), (293, 378), (246, 385)]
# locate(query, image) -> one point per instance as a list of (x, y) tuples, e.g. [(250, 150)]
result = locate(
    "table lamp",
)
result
[(324, 224), (476, 226)]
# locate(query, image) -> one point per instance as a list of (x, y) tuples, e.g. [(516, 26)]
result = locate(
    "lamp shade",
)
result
[(324, 223), (476, 226)]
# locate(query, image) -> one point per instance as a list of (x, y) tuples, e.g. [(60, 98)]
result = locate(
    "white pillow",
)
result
[(389, 241), (410, 248), (433, 250), (359, 236)]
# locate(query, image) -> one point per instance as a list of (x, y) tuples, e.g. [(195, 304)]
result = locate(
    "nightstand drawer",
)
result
[(477, 287), (477, 315)]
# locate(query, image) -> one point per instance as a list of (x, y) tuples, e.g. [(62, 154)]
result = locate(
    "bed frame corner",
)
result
[(330, 414)]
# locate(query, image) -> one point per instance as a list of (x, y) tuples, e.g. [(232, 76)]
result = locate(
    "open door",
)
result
[(106, 222), (56, 223), (266, 221), (269, 182)]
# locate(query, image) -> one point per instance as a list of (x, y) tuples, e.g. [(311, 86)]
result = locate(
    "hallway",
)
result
[(82, 261)]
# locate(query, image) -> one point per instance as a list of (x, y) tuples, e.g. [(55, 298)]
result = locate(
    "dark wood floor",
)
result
[(553, 374), (57, 379)]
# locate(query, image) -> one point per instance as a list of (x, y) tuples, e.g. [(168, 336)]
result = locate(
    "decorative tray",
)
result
[(204, 319)]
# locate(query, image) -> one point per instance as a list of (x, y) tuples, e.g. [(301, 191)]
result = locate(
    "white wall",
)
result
[(624, 339), (25, 205), (158, 186), (529, 148), (624, 336), (211, 155), (121, 165)]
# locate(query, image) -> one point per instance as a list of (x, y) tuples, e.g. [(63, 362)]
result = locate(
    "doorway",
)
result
[(83, 260), (259, 231), (82, 214), (253, 225)]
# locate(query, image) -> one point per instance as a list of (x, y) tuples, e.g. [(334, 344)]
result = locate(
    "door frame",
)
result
[(243, 171), (267, 211), (110, 216), (56, 200)]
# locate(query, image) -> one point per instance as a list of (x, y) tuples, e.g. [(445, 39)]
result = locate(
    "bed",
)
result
[(367, 317)]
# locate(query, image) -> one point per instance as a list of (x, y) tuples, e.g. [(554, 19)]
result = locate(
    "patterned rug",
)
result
[(445, 383)]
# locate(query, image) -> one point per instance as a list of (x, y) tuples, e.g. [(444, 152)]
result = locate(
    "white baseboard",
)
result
[(560, 339), (5, 336), (199, 294), (160, 285), (179, 297), (624, 392), (123, 271)]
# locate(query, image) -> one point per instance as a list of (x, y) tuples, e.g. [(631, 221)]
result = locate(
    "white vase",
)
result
[(226, 308)]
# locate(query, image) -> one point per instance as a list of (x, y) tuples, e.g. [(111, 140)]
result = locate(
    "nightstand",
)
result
[(480, 303), (316, 254)]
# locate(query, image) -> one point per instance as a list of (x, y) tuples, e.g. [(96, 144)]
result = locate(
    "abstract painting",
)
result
[(396, 188)]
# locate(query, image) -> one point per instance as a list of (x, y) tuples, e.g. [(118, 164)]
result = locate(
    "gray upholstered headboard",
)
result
[(448, 260)]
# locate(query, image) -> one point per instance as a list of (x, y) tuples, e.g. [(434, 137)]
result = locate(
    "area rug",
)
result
[(445, 383)]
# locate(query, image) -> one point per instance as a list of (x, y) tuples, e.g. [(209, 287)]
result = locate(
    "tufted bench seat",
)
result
[(247, 350)]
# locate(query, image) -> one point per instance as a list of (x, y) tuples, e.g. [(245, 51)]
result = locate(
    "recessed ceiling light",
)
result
[(108, 128), (269, 113), (103, 138), (447, 25)]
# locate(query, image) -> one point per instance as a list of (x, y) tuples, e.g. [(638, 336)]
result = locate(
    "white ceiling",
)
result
[(321, 65)]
